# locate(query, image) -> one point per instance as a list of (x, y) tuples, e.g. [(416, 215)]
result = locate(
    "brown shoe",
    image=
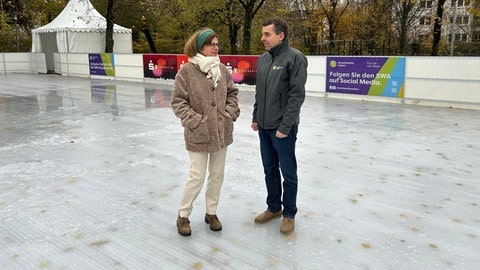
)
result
[(288, 225), (267, 216), (215, 224), (183, 225)]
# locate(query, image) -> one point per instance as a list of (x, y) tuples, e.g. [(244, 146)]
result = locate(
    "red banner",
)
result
[(165, 66), (160, 66)]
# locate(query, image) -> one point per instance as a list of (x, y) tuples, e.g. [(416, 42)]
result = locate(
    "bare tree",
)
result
[(333, 10), (234, 23), (303, 11), (251, 8), (230, 15), (370, 34), (406, 13)]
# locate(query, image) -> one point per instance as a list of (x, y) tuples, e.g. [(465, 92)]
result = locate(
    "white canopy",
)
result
[(79, 28)]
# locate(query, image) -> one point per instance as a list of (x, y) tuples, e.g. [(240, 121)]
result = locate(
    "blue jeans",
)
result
[(279, 154)]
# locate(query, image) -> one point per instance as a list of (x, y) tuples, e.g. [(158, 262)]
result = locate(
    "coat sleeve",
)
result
[(296, 92), (181, 102), (232, 97)]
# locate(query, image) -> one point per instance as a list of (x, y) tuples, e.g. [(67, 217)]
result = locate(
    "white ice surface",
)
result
[(87, 183)]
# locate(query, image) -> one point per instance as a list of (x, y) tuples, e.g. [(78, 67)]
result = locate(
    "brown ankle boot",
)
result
[(215, 224), (288, 225), (183, 225)]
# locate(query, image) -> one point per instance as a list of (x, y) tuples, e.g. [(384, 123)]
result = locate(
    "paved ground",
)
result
[(91, 173)]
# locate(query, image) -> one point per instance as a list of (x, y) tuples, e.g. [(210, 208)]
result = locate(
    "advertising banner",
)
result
[(166, 66), (181, 60), (160, 66), (375, 76), (243, 68), (102, 64)]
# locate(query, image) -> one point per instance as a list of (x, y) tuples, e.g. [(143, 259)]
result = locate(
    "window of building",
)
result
[(425, 21), (461, 3), (461, 37), (476, 22), (426, 3), (458, 37), (422, 37), (476, 36), (461, 20)]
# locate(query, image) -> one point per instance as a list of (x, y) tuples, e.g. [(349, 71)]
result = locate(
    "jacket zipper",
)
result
[(265, 90)]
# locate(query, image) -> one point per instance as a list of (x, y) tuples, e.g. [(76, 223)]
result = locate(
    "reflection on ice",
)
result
[(157, 97)]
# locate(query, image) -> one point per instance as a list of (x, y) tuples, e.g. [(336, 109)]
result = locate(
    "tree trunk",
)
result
[(437, 28), (233, 35), (250, 11), (331, 40), (247, 34), (405, 11), (231, 19), (151, 43), (109, 31)]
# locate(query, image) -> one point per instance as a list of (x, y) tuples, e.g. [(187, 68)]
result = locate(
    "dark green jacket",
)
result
[(280, 88)]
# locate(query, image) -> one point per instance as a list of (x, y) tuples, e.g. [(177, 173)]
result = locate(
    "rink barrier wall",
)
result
[(23, 63), (437, 81)]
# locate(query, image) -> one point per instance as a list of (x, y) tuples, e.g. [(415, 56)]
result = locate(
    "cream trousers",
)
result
[(198, 167)]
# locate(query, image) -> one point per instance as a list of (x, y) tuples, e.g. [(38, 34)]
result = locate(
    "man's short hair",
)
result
[(279, 24)]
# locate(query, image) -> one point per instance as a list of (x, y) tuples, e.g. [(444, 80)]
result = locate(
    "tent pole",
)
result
[(68, 51), (4, 64)]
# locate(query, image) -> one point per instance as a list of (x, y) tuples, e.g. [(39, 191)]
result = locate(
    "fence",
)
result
[(440, 81)]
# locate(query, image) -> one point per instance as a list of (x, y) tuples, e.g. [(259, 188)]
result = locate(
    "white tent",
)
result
[(79, 28)]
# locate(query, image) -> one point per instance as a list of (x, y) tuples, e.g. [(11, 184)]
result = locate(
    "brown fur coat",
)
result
[(206, 112)]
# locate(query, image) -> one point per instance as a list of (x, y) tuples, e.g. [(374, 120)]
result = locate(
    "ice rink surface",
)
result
[(91, 174)]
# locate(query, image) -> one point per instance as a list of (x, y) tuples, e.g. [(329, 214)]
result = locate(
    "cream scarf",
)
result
[(209, 65)]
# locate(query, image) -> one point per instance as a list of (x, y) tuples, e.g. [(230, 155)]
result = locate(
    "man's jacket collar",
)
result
[(279, 48)]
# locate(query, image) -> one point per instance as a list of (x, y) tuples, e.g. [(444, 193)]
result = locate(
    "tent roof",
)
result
[(80, 16)]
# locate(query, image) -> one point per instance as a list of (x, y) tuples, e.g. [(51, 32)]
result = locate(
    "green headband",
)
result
[(202, 37)]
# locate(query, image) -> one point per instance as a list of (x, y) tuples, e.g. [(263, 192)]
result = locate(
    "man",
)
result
[(280, 92)]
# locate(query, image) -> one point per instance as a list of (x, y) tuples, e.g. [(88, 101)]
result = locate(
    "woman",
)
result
[(205, 99)]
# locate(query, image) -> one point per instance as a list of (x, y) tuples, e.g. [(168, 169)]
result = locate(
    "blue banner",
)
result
[(375, 76), (101, 64)]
